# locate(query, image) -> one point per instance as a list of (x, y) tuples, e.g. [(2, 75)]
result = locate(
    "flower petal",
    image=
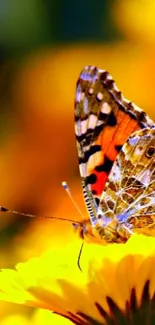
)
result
[(116, 280)]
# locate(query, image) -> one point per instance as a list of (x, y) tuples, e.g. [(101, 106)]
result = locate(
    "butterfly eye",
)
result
[(150, 151)]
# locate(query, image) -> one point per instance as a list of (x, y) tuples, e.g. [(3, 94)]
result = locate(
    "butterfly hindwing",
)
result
[(104, 120), (129, 194)]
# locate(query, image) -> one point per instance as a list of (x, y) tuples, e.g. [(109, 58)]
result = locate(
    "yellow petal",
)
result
[(54, 281)]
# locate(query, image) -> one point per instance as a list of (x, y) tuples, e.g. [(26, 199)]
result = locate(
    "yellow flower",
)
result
[(39, 317), (131, 15), (116, 285)]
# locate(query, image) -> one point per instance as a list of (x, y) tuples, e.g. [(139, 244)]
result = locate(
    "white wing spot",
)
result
[(94, 160), (100, 70), (145, 177), (134, 140), (105, 108), (82, 96), (81, 127), (79, 96), (115, 174), (78, 128), (138, 151), (90, 91), (99, 96), (82, 168), (109, 77), (85, 105), (116, 88), (92, 121), (84, 126)]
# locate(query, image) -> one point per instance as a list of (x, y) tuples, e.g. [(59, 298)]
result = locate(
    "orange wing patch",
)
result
[(111, 140)]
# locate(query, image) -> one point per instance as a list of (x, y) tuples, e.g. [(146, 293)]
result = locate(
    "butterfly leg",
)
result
[(128, 230)]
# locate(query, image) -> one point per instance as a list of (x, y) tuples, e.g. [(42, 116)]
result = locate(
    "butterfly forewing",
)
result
[(104, 120)]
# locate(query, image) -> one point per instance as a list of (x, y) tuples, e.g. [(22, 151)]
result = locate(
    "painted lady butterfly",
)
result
[(116, 151)]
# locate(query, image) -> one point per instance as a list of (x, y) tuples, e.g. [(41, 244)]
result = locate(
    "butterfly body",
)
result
[(112, 233), (116, 150)]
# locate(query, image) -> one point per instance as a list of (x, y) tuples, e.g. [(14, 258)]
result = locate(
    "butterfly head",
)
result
[(86, 232), (82, 228)]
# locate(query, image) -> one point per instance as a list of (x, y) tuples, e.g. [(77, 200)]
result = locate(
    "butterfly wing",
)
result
[(129, 194), (104, 120)]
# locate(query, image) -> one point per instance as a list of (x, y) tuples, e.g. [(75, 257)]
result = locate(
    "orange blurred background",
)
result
[(43, 47)]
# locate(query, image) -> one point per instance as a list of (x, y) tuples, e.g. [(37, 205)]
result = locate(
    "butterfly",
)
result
[(116, 153)]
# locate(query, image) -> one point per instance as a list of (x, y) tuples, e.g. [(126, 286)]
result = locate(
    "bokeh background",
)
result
[(43, 47)]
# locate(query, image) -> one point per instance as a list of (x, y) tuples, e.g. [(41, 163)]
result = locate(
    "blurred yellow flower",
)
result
[(117, 282), (14, 320), (39, 317), (136, 19)]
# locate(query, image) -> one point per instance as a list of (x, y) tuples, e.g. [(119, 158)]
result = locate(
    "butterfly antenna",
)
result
[(67, 189), (79, 256), (4, 209)]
